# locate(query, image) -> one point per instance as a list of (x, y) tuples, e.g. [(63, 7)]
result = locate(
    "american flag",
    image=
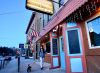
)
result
[(35, 33), (30, 37)]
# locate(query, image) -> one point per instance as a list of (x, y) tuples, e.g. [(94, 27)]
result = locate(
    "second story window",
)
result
[(45, 19), (49, 17), (61, 2), (56, 5)]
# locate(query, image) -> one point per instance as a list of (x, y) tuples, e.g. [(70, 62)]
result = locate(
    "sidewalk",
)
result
[(12, 67)]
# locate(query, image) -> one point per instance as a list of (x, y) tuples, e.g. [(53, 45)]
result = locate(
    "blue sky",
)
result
[(14, 19)]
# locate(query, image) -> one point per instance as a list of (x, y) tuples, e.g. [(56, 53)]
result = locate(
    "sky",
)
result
[(14, 19)]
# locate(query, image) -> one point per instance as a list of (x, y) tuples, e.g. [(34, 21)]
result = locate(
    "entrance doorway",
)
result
[(62, 54), (74, 48)]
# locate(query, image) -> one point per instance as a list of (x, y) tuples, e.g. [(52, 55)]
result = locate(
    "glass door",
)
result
[(62, 54), (74, 48)]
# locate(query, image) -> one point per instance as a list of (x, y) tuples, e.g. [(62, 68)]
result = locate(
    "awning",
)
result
[(64, 12)]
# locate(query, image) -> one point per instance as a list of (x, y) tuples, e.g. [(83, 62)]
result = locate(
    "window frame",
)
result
[(53, 48), (80, 43), (87, 31), (60, 3)]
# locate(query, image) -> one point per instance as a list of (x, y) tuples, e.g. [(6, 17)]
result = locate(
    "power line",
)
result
[(13, 12)]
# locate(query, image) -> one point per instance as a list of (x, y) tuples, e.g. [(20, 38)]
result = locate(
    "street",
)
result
[(12, 67)]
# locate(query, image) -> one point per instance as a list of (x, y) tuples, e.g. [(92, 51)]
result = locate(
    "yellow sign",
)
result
[(45, 6)]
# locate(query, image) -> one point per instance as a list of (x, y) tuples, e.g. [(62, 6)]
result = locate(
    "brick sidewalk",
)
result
[(12, 67)]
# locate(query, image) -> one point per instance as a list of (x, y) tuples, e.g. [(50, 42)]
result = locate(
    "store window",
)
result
[(48, 47), (93, 28), (74, 44), (55, 46)]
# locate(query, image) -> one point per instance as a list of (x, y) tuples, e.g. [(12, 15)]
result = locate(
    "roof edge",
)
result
[(31, 19)]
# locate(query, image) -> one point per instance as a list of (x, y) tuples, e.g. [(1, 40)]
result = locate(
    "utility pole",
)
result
[(18, 57), (18, 63)]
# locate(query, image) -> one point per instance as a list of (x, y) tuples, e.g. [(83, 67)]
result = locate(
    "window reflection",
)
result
[(94, 31), (74, 45)]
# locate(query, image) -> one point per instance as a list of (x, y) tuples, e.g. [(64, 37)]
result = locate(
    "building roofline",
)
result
[(30, 22)]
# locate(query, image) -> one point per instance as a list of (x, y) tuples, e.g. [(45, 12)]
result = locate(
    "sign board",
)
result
[(21, 45), (44, 6)]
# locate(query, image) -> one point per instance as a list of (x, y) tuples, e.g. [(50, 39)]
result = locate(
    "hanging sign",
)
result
[(44, 6)]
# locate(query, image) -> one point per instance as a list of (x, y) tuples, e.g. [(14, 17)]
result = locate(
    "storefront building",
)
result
[(72, 37), (29, 44)]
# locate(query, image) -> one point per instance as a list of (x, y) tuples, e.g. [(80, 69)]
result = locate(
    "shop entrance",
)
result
[(74, 48), (62, 54)]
